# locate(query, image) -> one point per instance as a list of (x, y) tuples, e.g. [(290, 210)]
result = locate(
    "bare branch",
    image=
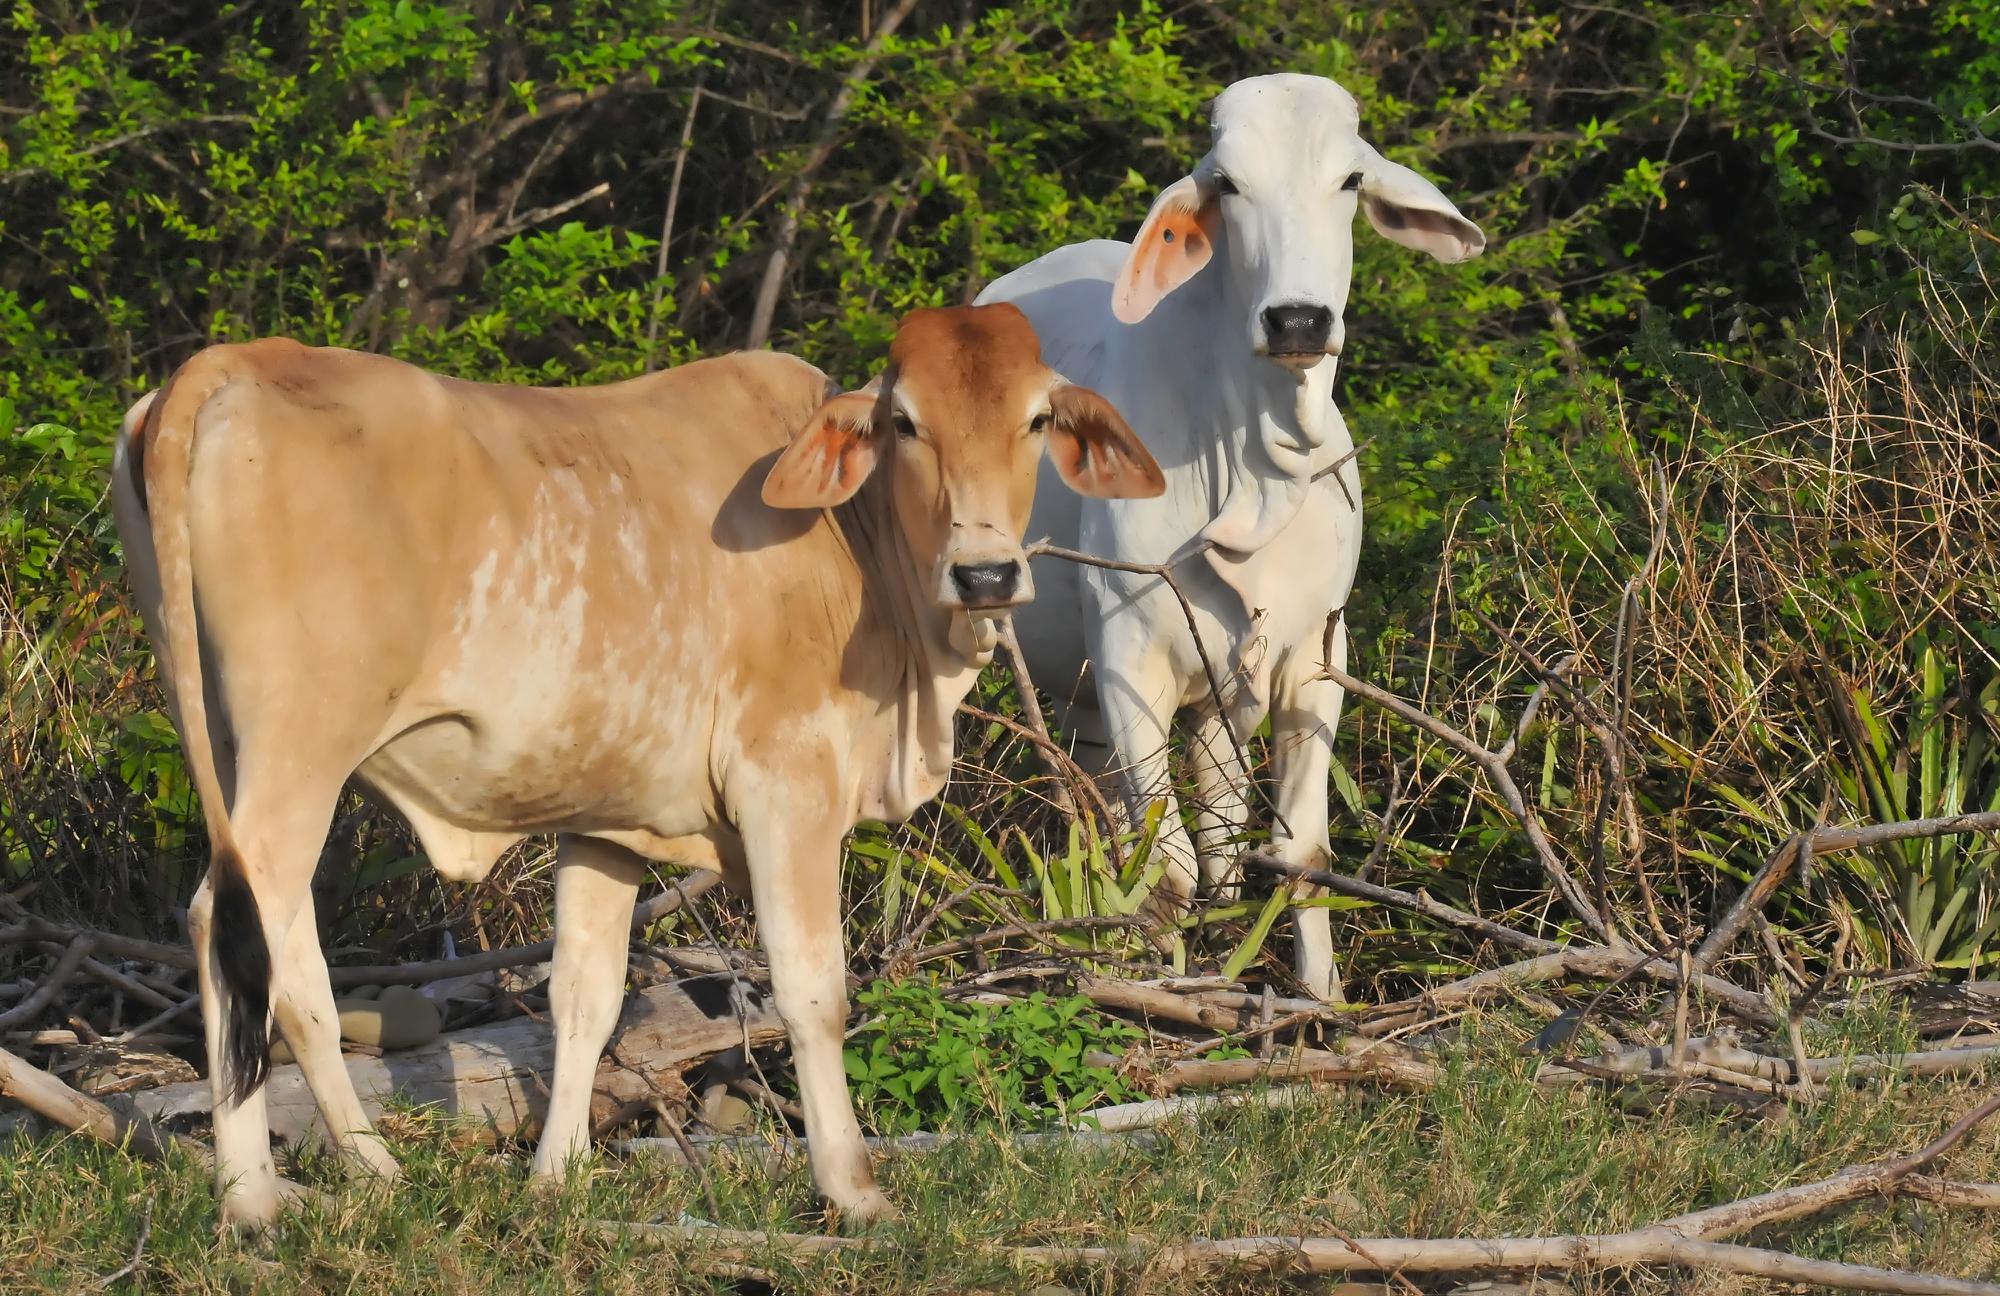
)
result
[(787, 235), (1495, 769)]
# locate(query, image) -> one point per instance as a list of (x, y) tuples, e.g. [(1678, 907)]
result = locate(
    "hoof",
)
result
[(368, 1160), (249, 1215), (870, 1207)]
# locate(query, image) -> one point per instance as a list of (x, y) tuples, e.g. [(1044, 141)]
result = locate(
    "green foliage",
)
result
[(1686, 205), (920, 1060)]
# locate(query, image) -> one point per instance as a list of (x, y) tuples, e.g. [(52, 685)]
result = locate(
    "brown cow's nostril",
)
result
[(986, 584)]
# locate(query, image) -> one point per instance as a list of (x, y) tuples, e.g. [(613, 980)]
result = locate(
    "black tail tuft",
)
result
[(237, 931)]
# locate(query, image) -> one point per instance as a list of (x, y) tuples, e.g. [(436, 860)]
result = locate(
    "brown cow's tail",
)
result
[(242, 956)]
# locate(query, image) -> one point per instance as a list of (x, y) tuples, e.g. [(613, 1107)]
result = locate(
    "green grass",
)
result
[(1487, 1153)]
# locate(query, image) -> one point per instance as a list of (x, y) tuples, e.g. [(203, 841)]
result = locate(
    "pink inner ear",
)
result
[(1173, 245)]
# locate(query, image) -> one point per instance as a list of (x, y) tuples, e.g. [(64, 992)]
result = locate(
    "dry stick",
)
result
[(1722, 1054), (673, 204), (1058, 760), (110, 976), (66, 967), (1822, 841), (1032, 930), (1762, 887), (492, 960), (1307, 1065), (697, 1162), (152, 1024), (708, 1246), (1420, 904), (1558, 961), (131, 1266), (787, 236), (1629, 612), (1503, 782), (1948, 1192), (1031, 707), (1806, 1199)]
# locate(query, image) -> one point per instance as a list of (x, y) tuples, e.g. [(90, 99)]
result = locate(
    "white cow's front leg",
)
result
[(1303, 721), (1223, 813), (793, 855), (596, 885), (1137, 694)]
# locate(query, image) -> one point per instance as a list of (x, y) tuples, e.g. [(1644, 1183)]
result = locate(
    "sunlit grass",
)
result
[(1486, 1153)]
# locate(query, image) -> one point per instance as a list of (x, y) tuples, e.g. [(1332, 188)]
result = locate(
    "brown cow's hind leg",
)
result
[(311, 1023), (596, 885), (279, 822)]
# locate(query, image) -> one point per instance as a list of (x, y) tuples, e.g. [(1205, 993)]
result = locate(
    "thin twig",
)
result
[(131, 1266), (1031, 707), (1503, 782)]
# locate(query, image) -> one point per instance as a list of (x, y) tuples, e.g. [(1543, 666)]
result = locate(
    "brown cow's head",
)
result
[(960, 419)]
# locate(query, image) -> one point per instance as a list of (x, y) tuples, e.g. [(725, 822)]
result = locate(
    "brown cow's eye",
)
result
[(904, 428), (1040, 424)]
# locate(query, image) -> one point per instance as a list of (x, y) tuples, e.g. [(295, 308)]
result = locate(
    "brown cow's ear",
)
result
[(1177, 239), (1094, 449), (827, 462)]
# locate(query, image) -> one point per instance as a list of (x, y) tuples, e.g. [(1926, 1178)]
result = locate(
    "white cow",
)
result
[(1226, 370)]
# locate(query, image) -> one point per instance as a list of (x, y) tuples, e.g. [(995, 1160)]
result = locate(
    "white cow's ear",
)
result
[(1407, 208), (827, 461), (1176, 240)]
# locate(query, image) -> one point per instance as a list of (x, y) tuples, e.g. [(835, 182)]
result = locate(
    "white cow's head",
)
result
[(1277, 192)]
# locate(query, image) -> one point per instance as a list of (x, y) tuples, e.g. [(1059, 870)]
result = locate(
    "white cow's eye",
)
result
[(1223, 184), (1352, 183), (902, 424)]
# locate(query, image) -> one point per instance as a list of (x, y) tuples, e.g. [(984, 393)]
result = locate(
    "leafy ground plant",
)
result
[(920, 1060)]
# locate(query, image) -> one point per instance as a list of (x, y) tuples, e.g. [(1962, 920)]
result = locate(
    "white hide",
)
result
[(1243, 440)]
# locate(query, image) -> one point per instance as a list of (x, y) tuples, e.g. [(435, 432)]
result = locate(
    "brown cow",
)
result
[(629, 615)]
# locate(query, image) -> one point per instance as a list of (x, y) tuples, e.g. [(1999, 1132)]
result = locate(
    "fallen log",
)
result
[(1725, 1054), (51, 1099), (1310, 1066), (1593, 962), (498, 1075), (1377, 1065)]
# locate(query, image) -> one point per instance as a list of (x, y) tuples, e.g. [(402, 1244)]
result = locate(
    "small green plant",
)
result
[(922, 1060), (1927, 899)]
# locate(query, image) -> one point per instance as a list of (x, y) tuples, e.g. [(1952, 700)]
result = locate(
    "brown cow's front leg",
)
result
[(794, 864), (596, 884)]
